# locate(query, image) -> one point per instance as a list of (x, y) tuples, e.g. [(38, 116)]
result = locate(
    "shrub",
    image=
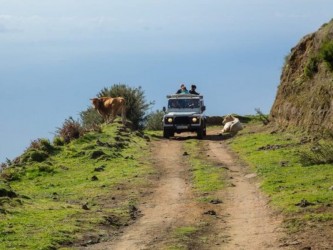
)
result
[(326, 53), (46, 169), (39, 150), (11, 174), (3, 166), (34, 155), (311, 67), (319, 153), (70, 130), (96, 154), (90, 119), (58, 141), (6, 191), (41, 144), (6, 164), (154, 120), (38, 156), (261, 116)]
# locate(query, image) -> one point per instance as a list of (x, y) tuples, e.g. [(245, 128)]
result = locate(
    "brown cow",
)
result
[(109, 108)]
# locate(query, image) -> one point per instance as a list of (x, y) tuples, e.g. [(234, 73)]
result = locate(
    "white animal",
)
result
[(231, 125)]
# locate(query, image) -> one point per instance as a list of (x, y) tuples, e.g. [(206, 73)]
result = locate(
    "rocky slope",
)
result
[(305, 94)]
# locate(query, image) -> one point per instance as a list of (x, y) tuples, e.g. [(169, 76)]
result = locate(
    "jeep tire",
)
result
[(201, 132), (167, 133)]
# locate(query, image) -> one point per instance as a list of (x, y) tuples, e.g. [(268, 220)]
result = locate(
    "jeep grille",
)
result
[(182, 120)]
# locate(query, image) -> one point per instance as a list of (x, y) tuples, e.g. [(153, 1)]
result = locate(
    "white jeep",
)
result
[(185, 113)]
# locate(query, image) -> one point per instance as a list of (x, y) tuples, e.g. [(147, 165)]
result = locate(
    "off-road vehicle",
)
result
[(185, 113)]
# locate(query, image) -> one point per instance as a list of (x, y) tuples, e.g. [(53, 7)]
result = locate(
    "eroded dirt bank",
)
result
[(242, 221)]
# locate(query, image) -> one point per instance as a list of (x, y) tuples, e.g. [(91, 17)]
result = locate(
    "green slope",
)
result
[(65, 197)]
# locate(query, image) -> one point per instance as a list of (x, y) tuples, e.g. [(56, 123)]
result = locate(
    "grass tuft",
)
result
[(207, 177), (316, 154)]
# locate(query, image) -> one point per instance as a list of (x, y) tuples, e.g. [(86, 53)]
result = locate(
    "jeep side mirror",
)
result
[(164, 109), (203, 108)]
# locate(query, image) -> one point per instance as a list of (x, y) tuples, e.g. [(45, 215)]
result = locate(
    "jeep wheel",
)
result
[(167, 133), (200, 133), (204, 131)]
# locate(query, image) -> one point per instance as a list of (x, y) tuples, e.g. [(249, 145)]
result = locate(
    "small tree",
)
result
[(90, 118)]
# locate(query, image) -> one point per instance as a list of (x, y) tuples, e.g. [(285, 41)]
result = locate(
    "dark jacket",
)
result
[(193, 92)]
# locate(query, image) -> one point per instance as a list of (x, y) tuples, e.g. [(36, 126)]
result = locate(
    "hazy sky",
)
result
[(55, 55)]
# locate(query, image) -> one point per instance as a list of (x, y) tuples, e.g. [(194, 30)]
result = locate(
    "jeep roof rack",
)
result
[(184, 95)]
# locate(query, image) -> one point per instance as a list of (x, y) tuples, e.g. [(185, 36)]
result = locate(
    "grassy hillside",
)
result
[(58, 195), (301, 189)]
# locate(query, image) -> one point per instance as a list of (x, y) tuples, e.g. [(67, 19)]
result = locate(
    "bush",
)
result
[(46, 169), (154, 120), (58, 141), (38, 156), (34, 155), (136, 105), (39, 150), (96, 154), (311, 67), (70, 130), (319, 153), (6, 191), (326, 53), (41, 144), (90, 119), (3, 165), (11, 174)]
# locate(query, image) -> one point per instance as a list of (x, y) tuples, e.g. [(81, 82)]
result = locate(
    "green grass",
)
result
[(185, 231), (48, 212), (206, 176), (284, 179), (182, 237)]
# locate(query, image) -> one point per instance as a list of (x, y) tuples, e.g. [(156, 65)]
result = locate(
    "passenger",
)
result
[(182, 90), (174, 104), (192, 103), (193, 90)]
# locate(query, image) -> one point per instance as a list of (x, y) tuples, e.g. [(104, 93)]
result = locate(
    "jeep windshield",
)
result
[(183, 103)]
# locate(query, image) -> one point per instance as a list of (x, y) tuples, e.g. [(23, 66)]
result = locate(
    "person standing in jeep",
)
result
[(193, 90), (182, 90)]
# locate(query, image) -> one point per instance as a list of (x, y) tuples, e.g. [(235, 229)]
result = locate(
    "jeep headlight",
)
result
[(194, 119), (169, 120)]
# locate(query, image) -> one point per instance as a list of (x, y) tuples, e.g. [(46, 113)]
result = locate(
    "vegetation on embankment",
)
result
[(74, 192), (296, 171), (305, 94)]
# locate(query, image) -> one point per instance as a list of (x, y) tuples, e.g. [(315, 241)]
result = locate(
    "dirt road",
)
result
[(242, 221), (251, 223)]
